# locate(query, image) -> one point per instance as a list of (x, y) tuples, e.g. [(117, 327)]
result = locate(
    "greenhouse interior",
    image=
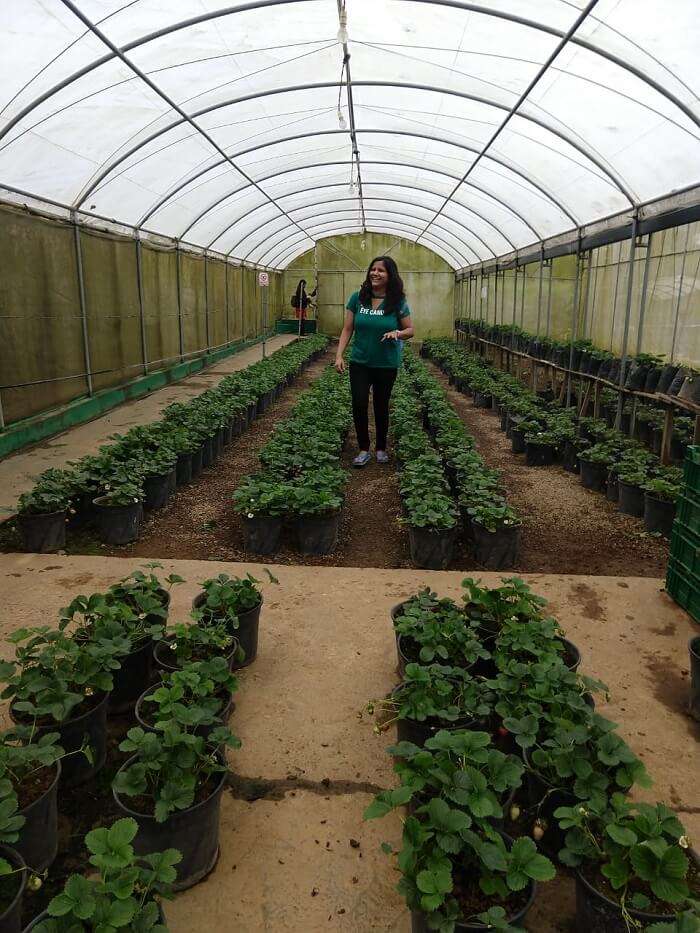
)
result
[(274, 657)]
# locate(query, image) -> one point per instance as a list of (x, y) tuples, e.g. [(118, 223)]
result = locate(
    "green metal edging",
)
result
[(32, 430)]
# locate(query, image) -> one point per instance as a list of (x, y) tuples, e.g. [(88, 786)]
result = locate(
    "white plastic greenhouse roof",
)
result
[(245, 128)]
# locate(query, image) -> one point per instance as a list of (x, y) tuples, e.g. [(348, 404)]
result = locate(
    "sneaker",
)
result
[(362, 459), (382, 456)]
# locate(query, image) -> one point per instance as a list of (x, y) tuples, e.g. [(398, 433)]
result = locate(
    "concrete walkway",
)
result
[(18, 471), (295, 854)]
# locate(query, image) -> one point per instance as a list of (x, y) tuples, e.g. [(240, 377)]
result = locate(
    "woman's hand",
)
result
[(340, 364), (391, 335)]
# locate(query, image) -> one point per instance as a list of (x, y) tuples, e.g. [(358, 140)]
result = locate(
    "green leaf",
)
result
[(620, 835)]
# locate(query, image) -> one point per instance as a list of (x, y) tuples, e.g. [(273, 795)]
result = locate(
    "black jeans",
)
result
[(382, 382)]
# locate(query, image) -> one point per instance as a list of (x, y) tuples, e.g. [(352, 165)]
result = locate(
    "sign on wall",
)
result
[(263, 278)]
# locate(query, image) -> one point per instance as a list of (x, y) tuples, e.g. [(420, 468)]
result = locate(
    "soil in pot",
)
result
[(37, 796), (431, 550), (593, 475), (261, 534), (537, 454), (12, 889), (598, 909), (317, 534), (246, 633), (496, 550), (158, 489), (87, 725), (694, 703), (658, 514), (194, 832), (631, 501), (183, 468), (118, 524), (473, 901), (134, 672), (45, 533)]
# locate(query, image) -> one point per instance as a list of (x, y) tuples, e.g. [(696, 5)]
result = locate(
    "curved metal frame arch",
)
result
[(439, 239), (448, 142), (358, 229), (382, 184), (610, 174), (257, 4), (346, 210)]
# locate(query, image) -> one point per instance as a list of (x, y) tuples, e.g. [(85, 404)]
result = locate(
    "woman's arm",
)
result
[(345, 335), (405, 333)]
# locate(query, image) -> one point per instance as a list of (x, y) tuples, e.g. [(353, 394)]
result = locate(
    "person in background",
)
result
[(378, 318)]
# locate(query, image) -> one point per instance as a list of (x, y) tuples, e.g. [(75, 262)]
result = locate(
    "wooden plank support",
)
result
[(584, 400), (598, 388), (666, 437)]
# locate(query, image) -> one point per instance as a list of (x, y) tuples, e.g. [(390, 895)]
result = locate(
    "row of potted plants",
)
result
[(111, 656), (545, 431), (142, 468), (501, 753), (301, 482), (644, 372), (491, 527)]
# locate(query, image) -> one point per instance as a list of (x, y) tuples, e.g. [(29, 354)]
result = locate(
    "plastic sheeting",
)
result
[(229, 124)]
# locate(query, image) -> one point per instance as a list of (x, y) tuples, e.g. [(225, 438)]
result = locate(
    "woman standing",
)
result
[(379, 319)]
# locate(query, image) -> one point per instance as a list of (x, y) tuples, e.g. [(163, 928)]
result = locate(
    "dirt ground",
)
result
[(295, 853), (566, 528)]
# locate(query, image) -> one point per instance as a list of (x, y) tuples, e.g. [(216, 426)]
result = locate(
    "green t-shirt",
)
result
[(371, 324)]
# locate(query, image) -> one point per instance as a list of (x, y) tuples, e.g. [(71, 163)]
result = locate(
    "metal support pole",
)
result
[(139, 283), (206, 304), (643, 299), (539, 293), (680, 295), (614, 307), (549, 296), (264, 319), (574, 320), (83, 304), (584, 322), (228, 328), (179, 302), (495, 300), (628, 312), (522, 297)]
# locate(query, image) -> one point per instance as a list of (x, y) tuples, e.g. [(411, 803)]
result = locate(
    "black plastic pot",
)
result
[(247, 631), (517, 440), (38, 838), (45, 916), (612, 489), (165, 660), (72, 733), (694, 703), (690, 390), (652, 380), (631, 500), (571, 656), (605, 367), (431, 550), (158, 489), (496, 550), (252, 412), (419, 920), (593, 475), (537, 454), (637, 376), (118, 524), (317, 534), (197, 461), (570, 457), (194, 832), (208, 451), (261, 534), (11, 919), (183, 468), (595, 913), (481, 400), (658, 514), (132, 676), (678, 381), (656, 438), (542, 801), (411, 730), (668, 374), (45, 533)]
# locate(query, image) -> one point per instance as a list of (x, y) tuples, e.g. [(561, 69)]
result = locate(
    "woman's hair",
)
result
[(394, 287)]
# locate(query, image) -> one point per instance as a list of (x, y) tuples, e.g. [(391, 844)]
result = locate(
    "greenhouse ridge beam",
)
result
[(520, 101), (69, 4), (403, 133)]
